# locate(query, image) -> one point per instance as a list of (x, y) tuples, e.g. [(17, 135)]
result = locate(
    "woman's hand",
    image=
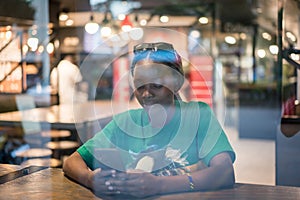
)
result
[(134, 183), (98, 180)]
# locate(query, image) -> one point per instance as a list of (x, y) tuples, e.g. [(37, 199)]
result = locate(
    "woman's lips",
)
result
[(148, 102)]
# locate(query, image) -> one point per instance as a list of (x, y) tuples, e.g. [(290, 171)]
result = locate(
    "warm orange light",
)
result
[(126, 24)]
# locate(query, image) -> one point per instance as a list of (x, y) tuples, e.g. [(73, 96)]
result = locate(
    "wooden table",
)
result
[(6, 168), (51, 184), (67, 116)]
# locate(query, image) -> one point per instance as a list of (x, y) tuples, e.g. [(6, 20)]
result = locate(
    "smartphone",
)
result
[(110, 158)]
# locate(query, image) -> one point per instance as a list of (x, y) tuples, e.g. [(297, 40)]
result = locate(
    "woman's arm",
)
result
[(75, 168), (220, 174)]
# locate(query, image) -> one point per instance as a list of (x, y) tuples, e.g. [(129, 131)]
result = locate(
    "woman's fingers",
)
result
[(131, 183), (100, 174)]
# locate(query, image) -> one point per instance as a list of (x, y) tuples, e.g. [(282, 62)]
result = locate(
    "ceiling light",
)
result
[(71, 41), (243, 36), (291, 36), (121, 16), (203, 20), (261, 53), (195, 33), (40, 49), (126, 24), (273, 49), (295, 56), (230, 40), (8, 28), (91, 27), (50, 48), (63, 16), (106, 29), (266, 36), (69, 22), (164, 19), (56, 44), (33, 43), (143, 22)]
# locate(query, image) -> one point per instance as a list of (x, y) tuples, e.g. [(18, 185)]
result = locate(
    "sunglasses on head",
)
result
[(153, 47)]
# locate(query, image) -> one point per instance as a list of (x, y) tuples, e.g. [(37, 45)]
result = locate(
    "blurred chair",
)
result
[(37, 135), (62, 148)]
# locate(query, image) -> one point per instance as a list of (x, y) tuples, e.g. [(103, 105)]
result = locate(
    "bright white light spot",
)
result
[(41, 49), (33, 43), (291, 36), (295, 56), (164, 19), (266, 36), (106, 31), (243, 36), (143, 22), (121, 16), (91, 27), (126, 28), (203, 20), (230, 40), (273, 49), (195, 33), (63, 17), (50, 48), (261, 53), (69, 22), (136, 33)]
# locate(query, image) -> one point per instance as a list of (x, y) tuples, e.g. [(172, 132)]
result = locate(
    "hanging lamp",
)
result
[(91, 27), (126, 24)]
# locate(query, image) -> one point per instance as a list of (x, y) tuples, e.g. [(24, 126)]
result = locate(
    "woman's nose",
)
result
[(146, 92)]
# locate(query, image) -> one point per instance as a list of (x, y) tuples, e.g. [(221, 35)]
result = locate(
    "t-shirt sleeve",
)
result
[(212, 139), (222, 145), (100, 140)]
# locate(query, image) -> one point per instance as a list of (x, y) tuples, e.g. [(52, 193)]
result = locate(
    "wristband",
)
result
[(191, 182)]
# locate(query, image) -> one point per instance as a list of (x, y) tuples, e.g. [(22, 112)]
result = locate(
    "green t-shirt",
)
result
[(192, 135)]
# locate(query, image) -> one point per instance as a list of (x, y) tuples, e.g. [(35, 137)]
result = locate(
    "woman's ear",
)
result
[(131, 83), (178, 82)]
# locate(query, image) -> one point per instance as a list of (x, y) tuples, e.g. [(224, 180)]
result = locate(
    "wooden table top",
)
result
[(67, 115), (51, 184), (6, 168)]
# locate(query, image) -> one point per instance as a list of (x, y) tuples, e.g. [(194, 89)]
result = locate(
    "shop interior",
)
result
[(241, 57)]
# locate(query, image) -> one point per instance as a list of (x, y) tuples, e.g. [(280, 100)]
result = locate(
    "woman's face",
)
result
[(154, 84)]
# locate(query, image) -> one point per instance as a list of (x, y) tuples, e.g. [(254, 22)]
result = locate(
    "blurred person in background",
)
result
[(67, 80)]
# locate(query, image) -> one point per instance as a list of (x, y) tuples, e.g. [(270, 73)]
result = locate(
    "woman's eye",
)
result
[(156, 86), (141, 87)]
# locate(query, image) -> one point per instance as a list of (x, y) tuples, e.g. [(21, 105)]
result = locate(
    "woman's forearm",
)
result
[(215, 177), (207, 179), (75, 168), (219, 175)]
